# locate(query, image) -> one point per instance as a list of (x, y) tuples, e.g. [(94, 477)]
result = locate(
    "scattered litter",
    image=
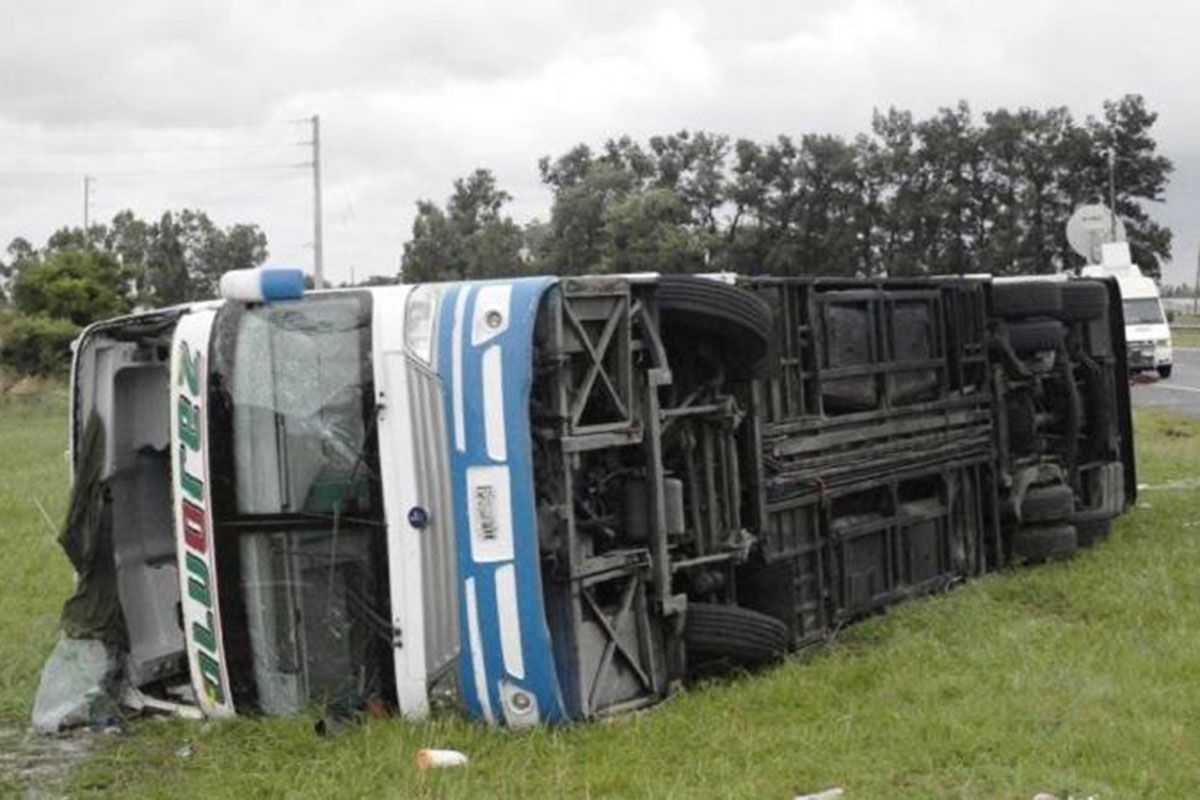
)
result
[(1177, 485), (185, 750), (829, 794), (428, 758), (74, 688), (134, 699)]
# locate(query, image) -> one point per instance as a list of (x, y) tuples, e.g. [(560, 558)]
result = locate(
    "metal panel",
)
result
[(438, 561)]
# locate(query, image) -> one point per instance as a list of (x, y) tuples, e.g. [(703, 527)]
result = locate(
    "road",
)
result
[(1180, 392)]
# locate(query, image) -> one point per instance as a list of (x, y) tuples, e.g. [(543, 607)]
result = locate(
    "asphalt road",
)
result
[(1180, 392)]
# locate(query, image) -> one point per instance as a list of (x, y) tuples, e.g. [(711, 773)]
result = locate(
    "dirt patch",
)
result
[(40, 766)]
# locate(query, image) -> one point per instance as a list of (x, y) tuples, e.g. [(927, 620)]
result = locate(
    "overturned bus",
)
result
[(548, 499)]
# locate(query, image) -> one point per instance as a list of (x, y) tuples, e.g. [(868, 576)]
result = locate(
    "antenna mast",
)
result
[(1112, 191)]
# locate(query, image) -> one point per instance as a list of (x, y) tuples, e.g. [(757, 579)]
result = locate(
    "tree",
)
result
[(76, 285), (1141, 174), (185, 253), (19, 252), (38, 345), (584, 188), (177, 259), (647, 232), (470, 238), (944, 194), (128, 238), (435, 250)]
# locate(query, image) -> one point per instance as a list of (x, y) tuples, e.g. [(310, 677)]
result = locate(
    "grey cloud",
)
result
[(413, 95), (165, 63)]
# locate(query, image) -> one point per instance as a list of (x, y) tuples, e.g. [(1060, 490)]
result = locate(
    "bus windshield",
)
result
[(299, 514)]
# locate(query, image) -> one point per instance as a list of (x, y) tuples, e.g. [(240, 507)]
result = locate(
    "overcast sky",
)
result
[(176, 105)]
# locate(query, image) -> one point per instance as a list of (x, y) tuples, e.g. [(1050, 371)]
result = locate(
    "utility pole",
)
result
[(318, 245), (1112, 190), (1196, 287), (87, 202)]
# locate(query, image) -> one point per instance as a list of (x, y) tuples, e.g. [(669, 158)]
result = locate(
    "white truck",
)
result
[(1147, 332)]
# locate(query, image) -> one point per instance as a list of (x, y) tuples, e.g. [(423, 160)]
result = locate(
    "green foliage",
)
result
[(645, 232), (184, 254), (941, 195), (76, 285), (83, 276), (38, 345), (471, 238), (177, 259)]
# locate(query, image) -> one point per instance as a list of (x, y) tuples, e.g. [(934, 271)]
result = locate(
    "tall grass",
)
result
[(35, 576)]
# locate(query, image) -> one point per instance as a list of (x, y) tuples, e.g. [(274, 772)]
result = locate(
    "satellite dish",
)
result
[(1091, 227)]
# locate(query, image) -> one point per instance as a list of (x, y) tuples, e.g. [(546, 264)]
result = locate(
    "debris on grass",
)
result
[(833, 793), (428, 758)]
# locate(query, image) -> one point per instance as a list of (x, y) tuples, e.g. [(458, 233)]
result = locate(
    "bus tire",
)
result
[(1092, 527), (1047, 503), (736, 322), (1083, 300), (1026, 299), (1038, 543), (716, 633)]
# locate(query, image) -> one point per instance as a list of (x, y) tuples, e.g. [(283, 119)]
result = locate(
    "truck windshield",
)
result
[(301, 559), (1143, 311)]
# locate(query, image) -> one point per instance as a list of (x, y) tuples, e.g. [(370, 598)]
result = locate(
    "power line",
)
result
[(265, 127), (157, 150), (155, 172)]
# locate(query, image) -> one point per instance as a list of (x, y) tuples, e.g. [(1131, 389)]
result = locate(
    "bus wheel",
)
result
[(734, 323), (1038, 543), (716, 634)]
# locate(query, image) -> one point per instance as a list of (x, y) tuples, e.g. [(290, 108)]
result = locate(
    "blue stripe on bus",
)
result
[(540, 677)]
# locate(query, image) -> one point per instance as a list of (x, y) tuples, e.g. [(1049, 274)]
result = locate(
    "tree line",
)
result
[(952, 193), (80, 276)]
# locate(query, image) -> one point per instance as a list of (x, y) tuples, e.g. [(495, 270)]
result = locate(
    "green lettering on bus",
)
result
[(189, 368)]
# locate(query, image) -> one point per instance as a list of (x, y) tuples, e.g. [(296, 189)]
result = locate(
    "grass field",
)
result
[(34, 573), (1081, 677), (1185, 338), (1182, 338)]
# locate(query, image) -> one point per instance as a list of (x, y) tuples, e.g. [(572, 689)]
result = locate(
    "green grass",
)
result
[(35, 576), (1081, 677), (1185, 338)]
